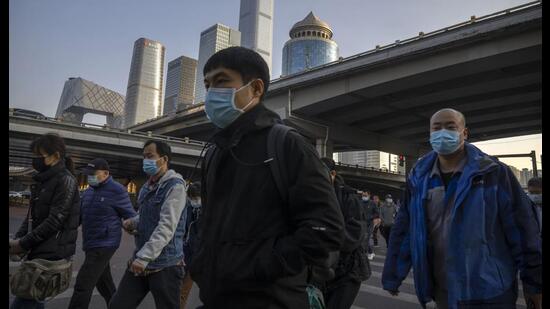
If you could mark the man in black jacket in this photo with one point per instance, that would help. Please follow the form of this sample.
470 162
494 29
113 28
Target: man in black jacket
255 249
352 267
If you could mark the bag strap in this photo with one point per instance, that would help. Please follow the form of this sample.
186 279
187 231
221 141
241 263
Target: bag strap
276 151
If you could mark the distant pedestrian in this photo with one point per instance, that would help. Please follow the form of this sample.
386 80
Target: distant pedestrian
387 215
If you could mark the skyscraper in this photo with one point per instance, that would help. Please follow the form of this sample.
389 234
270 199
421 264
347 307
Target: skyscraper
213 39
180 84
144 92
310 45
256 27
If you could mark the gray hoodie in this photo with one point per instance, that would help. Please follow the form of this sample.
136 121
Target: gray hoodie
387 212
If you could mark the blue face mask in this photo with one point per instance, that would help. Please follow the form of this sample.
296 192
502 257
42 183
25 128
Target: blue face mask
444 141
150 167
220 106
92 180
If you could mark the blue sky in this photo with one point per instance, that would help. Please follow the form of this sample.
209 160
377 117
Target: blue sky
53 40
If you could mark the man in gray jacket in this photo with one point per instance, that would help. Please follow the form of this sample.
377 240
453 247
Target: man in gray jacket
157 264
387 215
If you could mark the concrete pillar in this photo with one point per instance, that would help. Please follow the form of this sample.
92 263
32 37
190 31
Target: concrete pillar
324 149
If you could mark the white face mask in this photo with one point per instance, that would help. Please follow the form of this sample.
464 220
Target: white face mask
389 200
366 198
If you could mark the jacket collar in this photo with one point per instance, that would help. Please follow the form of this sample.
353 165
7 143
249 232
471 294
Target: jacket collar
476 162
50 172
104 183
259 117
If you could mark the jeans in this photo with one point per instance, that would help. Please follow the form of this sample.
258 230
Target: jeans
95 271
164 285
23 303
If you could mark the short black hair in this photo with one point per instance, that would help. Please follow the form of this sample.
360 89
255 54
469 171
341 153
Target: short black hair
163 149
243 60
535 182
329 163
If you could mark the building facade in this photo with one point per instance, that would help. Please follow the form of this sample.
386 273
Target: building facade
310 45
180 84
213 39
524 177
80 97
145 82
256 27
372 159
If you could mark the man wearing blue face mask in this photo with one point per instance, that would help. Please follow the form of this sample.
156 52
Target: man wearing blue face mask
103 205
261 241
157 264
465 227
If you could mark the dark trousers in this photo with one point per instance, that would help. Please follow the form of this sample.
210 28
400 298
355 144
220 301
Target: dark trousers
95 272
23 303
369 233
375 235
386 230
164 285
341 293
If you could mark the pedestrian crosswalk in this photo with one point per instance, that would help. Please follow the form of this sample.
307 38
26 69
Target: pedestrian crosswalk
370 296
373 296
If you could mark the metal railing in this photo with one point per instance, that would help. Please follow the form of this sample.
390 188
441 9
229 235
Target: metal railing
370 168
421 35
92 126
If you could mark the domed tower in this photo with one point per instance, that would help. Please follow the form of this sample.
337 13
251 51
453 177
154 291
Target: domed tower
310 45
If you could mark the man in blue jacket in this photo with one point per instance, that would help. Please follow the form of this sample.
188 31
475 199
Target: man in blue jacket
466 227
103 206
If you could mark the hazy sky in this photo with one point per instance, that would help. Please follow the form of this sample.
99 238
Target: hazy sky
50 41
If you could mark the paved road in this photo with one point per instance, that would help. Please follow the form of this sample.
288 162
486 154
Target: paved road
371 295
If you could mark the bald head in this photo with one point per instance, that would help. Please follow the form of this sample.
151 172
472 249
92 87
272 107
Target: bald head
449 113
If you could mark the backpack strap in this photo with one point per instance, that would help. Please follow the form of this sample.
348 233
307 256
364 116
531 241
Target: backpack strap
276 151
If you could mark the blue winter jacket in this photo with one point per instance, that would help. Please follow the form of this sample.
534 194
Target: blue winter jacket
493 234
102 208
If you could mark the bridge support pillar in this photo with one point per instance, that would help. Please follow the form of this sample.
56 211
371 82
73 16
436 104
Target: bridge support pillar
324 149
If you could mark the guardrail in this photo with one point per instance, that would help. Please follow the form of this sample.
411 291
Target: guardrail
357 166
147 134
421 35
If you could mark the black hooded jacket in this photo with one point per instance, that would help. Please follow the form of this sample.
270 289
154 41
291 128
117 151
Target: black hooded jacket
254 249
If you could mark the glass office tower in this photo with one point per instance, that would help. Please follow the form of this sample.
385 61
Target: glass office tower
256 27
145 83
180 84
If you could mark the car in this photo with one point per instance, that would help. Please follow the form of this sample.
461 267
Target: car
15 194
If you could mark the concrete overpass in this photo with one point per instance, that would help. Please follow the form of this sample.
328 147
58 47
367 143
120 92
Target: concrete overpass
488 67
123 150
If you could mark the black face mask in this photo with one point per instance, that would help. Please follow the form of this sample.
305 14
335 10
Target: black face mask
39 165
